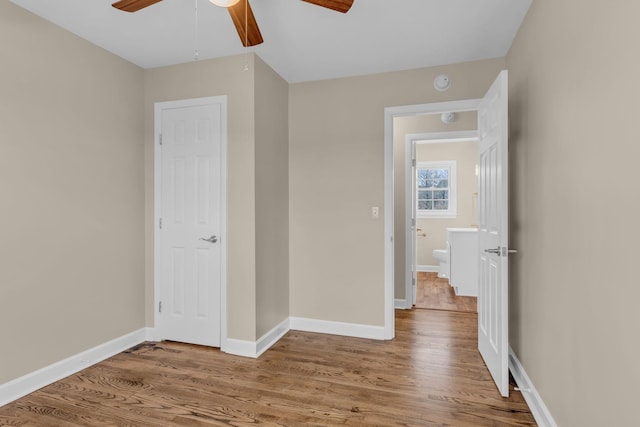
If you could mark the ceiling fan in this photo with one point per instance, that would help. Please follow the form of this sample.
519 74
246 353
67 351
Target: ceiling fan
241 14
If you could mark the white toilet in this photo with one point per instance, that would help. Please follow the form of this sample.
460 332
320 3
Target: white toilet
442 256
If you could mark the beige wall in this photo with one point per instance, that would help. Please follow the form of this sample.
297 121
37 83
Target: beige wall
336 175
71 195
466 156
233 77
272 198
575 202
470 80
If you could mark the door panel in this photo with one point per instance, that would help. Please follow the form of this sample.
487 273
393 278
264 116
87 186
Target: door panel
493 223
190 211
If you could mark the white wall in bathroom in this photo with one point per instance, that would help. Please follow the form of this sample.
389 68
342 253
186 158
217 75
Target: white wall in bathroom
465 154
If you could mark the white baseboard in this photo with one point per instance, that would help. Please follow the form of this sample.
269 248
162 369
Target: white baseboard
255 349
461 292
150 334
538 408
240 348
272 337
33 381
401 304
337 328
427 268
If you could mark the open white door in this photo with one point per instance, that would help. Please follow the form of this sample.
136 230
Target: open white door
493 237
189 223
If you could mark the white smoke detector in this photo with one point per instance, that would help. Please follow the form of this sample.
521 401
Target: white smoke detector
441 82
449 117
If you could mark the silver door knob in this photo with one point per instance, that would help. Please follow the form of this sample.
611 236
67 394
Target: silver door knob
212 239
501 251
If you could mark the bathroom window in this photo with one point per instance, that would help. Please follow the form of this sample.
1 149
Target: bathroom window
436 189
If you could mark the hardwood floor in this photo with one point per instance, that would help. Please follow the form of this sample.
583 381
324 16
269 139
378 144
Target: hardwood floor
436 294
431 374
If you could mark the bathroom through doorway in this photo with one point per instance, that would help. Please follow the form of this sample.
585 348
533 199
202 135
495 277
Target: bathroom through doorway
434 293
445 195
441 191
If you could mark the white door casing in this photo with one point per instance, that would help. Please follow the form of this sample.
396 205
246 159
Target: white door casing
493 237
190 208
390 113
412 226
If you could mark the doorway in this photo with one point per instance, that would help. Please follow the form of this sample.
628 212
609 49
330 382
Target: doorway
441 194
395 277
190 237
492 249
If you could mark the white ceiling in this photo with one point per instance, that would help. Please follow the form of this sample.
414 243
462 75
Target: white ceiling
303 42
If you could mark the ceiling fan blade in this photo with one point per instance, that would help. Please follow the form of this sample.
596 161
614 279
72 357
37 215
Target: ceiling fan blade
245 23
337 5
133 5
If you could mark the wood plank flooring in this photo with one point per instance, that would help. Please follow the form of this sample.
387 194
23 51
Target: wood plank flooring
431 374
436 294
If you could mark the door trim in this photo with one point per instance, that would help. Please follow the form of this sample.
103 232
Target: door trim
157 181
389 114
411 140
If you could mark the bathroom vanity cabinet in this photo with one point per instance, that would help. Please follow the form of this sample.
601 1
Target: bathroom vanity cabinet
463 260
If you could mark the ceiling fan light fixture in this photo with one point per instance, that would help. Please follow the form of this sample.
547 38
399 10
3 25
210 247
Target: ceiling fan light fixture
240 12
224 3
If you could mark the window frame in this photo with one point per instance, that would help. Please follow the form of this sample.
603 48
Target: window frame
452 212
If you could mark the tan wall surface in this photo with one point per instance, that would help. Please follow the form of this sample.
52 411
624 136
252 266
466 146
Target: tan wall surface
465 154
336 134
272 198
225 76
71 194
469 81
574 287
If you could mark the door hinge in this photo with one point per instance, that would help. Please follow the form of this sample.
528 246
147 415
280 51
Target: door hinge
160 307
413 162
160 139
160 223
413 222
